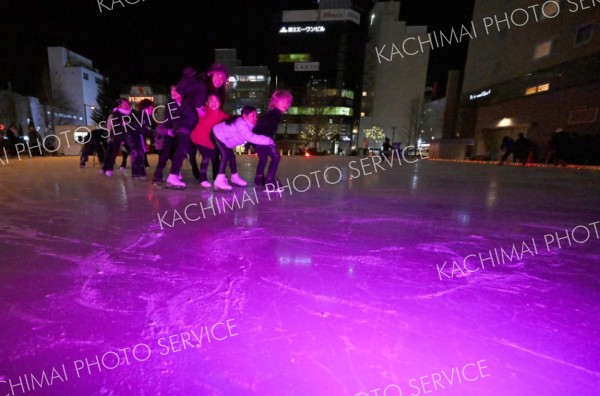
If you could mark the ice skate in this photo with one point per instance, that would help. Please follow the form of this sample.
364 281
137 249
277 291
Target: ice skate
221 184
259 182
238 181
205 184
180 176
108 173
173 183
157 183
273 186
122 169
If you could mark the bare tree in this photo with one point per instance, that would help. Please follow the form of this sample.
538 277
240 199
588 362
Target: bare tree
317 100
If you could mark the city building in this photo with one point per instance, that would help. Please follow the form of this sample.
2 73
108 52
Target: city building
74 82
247 85
532 77
320 59
138 92
432 120
394 86
23 111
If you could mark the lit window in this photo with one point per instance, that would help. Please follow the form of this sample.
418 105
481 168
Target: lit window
347 93
531 90
251 78
290 58
364 93
542 50
252 95
537 89
584 34
543 88
327 110
362 114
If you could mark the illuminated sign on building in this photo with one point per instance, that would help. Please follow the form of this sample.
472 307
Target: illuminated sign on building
138 99
302 29
482 94
306 66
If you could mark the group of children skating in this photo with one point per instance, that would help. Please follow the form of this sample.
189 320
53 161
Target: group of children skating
194 123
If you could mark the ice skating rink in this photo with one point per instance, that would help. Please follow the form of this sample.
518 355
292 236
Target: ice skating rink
428 278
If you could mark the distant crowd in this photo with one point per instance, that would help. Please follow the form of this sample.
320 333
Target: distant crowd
563 148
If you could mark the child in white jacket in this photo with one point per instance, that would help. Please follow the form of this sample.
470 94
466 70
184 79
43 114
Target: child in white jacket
229 135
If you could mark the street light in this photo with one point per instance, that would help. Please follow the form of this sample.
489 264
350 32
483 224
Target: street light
85 112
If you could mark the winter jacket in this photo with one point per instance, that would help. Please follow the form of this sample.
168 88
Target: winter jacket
268 123
195 92
238 133
171 114
142 127
201 134
117 126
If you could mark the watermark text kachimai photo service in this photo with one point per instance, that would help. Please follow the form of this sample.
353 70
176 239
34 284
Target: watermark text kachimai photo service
49 147
434 382
110 360
578 235
300 183
515 18
109 5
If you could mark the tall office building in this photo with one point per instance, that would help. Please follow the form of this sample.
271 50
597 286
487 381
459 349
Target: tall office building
394 85
320 59
247 85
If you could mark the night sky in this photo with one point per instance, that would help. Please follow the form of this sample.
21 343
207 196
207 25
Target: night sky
153 40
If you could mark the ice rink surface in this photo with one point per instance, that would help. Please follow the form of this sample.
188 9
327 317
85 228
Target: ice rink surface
333 291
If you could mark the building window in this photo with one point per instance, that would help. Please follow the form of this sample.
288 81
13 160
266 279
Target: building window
584 34
364 93
349 94
326 110
542 50
291 58
543 87
252 95
362 114
98 81
251 78
86 76
537 89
